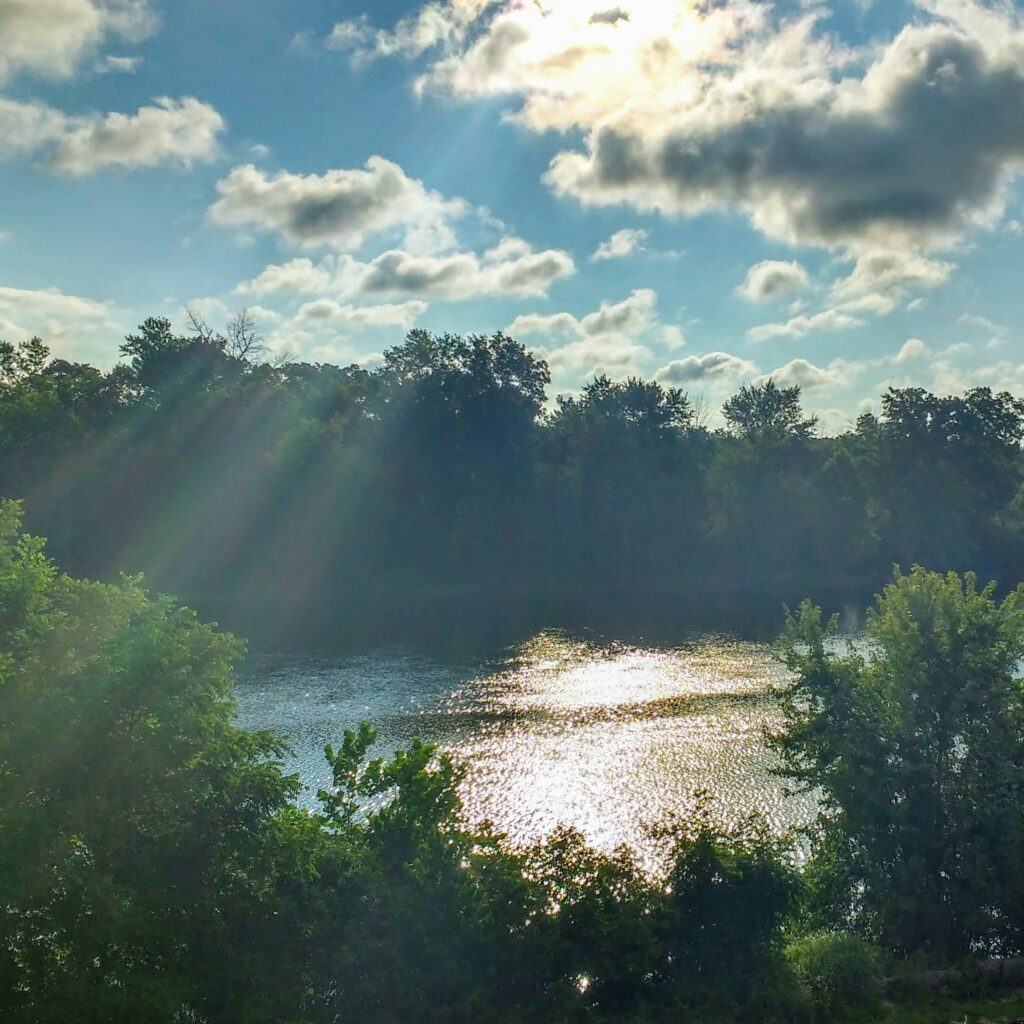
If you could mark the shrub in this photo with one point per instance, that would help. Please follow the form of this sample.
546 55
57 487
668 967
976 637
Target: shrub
838 974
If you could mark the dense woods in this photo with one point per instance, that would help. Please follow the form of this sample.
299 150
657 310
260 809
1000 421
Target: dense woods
292 496
154 863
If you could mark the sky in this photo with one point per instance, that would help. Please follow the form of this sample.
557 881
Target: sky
705 192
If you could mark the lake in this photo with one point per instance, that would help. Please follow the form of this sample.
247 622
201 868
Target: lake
607 737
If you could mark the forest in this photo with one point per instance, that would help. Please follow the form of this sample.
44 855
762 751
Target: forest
156 862
296 502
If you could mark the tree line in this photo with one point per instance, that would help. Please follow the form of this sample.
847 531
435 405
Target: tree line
156 869
291 494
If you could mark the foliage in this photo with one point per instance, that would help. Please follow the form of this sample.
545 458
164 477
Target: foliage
766 410
839 975
917 746
154 866
447 480
140 832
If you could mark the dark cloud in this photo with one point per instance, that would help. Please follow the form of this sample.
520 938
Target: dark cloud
913 153
610 17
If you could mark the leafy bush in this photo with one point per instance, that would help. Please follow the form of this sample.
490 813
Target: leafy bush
838 975
917 746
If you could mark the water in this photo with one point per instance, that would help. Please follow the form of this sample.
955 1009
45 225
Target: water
608 738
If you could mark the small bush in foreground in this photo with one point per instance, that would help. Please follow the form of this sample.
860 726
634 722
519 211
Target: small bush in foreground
838 974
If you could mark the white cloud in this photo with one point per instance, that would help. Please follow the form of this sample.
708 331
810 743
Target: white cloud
27 127
511 267
52 37
772 279
436 23
622 244
324 313
114 65
540 323
180 132
913 348
803 374
409 38
860 160
801 326
339 209
296 277
874 302
614 339
712 366
891 273
73 327
983 323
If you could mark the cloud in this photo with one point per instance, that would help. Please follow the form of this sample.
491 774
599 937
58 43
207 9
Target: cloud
891 273
712 366
801 326
849 162
118 65
913 348
73 327
539 323
325 313
338 209
296 277
622 244
633 315
688 107
327 330
27 127
180 132
52 37
983 323
409 38
613 339
434 24
772 279
803 374
511 267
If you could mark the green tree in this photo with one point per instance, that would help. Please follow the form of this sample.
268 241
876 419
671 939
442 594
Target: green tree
759 410
143 837
916 743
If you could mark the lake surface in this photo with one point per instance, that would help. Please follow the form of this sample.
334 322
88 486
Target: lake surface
606 737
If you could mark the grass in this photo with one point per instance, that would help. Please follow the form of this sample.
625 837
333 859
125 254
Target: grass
938 1009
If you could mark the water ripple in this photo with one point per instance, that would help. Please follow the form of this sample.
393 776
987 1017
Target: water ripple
610 739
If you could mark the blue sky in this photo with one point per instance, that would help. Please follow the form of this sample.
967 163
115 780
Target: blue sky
706 193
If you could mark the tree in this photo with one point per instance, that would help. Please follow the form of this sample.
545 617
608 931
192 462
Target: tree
940 470
916 743
623 463
766 410
145 841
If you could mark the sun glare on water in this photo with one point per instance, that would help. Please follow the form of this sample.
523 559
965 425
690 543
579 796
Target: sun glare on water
608 739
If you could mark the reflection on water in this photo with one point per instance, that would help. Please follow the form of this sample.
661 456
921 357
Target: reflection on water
609 739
